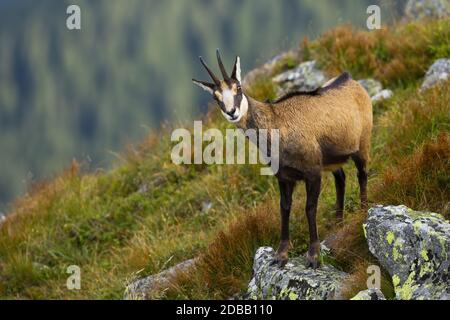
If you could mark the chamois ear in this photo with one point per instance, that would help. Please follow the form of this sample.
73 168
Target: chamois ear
237 69
209 87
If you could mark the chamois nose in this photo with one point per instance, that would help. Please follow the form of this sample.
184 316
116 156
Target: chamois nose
232 111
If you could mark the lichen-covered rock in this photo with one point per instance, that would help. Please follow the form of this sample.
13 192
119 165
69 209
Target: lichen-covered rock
372 86
419 9
305 77
382 95
295 281
270 67
438 72
143 288
369 294
375 90
414 247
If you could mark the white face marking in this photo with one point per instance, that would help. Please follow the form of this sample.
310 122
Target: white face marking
239 113
208 89
228 99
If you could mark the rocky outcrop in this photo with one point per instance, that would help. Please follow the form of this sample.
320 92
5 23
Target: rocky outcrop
419 9
143 288
438 72
308 77
375 90
269 68
305 77
414 247
369 294
294 281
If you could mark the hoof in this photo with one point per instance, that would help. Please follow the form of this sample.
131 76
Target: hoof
313 256
280 259
313 262
314 265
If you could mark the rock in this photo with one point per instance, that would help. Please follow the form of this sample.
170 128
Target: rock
142 288
143 188
295 281
40 267
372 86
375 90
269 68
382 95
305 77
414 247
419 9
369 294
438 72
206 206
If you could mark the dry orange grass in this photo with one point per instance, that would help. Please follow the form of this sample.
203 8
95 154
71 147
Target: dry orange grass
411 118
348 242
357 281
395 55
220 270
422 180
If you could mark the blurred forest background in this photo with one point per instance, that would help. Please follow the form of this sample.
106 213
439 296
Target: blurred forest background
83 94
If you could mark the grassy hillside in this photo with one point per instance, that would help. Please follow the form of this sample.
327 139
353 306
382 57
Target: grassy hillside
148 214
66 94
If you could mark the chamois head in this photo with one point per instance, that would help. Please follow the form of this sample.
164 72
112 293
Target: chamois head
227 92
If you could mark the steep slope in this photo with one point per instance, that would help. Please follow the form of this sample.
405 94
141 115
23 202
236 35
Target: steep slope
66 94
148 214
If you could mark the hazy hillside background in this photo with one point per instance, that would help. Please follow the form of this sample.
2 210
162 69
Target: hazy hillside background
66 94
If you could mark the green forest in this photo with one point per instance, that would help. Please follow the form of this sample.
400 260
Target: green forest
85 94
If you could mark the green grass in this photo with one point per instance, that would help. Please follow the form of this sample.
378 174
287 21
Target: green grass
148 214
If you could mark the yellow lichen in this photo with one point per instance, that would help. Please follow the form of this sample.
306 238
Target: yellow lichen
406 291
424 255
395 280
396 254
390 237
293 296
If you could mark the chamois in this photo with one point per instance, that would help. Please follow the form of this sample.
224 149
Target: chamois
319 131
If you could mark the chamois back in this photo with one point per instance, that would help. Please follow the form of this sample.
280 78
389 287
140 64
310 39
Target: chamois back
330 123
330 85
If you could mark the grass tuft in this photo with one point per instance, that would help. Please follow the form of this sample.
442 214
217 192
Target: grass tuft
421 180
397 55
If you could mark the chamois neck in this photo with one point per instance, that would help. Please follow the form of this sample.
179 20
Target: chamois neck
259 115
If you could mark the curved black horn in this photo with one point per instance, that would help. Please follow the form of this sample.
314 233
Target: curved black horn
234 73
221 66
211 74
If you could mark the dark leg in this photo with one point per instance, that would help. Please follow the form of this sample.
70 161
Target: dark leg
339 181
312 194
286 190
361 165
